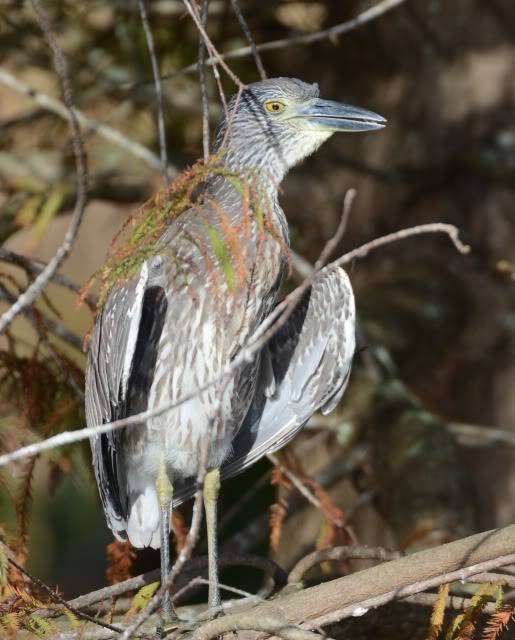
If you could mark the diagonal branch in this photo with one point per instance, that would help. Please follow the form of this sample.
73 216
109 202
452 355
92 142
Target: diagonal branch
354 594
250 39
52 594
33 266
40 282
56 107
215 56
331 33
265 332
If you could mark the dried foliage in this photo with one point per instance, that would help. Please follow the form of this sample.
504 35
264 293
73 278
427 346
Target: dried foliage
279 510
438 613
36 400
498 623
464 626
20 610
139 238
180 529
120 558
336 530
473 623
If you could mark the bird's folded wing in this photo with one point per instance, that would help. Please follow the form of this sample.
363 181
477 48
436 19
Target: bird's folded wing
304 368
110 358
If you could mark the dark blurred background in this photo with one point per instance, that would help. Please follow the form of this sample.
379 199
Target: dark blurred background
413 455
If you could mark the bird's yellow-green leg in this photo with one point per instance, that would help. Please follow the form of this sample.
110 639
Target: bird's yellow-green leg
211 491
164 488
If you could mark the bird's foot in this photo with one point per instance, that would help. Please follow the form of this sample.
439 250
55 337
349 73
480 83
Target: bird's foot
169 623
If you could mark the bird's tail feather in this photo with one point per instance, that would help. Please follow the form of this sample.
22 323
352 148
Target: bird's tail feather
143 521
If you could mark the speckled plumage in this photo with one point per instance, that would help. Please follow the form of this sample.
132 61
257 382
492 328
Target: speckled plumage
215 276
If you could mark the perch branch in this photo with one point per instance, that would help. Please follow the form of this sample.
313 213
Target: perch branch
397 579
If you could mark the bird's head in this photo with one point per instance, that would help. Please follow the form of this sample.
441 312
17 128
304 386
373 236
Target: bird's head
274 124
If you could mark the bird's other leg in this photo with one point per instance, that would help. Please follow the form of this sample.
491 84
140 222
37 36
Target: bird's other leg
211 491
164 488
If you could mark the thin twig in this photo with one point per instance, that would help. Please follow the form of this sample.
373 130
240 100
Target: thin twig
250 39
88 124
452 602
332 33
491 576
195 582
55 596
33 266
483 435
206 42
273 573
259 338
53 326
159 91
432 227
299 485
42 279
354 552
203 83
213 52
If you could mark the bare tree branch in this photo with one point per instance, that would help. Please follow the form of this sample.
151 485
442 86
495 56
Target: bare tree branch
88 124
53 595
432 227
159 91
33 266
203 82
451 602
332 33
473 434
354 552
38 320
264 333
273 574
61 67
215 56
250 39
397 579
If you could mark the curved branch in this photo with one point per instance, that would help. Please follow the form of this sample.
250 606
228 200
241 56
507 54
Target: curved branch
339 553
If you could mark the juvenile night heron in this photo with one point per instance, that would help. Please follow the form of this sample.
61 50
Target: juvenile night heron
212 279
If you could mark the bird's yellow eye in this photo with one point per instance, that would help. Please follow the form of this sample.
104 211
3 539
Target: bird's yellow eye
274 106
